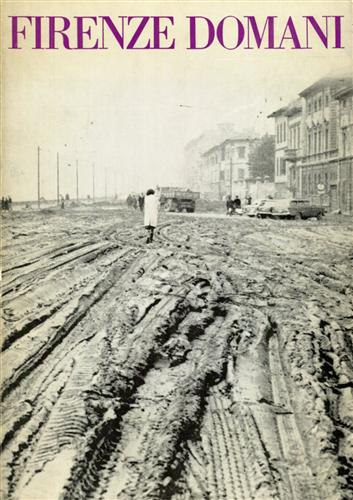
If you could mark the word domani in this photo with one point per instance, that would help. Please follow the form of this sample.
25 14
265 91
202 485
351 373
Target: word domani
155 32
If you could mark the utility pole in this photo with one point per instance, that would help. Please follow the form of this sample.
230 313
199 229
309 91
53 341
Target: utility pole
93 187
38 176
76 180
57 179
105 185
231 178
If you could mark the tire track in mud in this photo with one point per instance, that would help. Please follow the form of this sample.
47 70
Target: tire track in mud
85 480
313 356
35 257
202 241
138 269
35 410
20 322
83 485
67 422
249 446
76 312
49 379
299 472
186 378
40 272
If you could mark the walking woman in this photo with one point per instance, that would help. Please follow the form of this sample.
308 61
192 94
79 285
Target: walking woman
151 213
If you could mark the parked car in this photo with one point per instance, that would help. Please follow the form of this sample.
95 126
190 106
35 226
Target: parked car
290 209
251 210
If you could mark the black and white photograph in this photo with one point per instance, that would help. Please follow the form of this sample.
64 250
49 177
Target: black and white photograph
177 247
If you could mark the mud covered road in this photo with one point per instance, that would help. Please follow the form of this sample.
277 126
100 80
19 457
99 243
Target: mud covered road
216 363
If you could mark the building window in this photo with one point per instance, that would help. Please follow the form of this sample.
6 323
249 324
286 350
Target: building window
241 152
221 175
319 134
326 138
284 131
298 136
309 106
344 142
240 173
282 167
309 142
319 102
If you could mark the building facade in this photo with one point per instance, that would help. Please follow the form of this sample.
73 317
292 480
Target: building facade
345 149
288 147
314 145
193 175
225 169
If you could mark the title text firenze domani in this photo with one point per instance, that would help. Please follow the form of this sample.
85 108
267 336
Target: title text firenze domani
158 32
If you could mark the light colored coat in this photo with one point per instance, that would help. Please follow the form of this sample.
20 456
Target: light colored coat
151 210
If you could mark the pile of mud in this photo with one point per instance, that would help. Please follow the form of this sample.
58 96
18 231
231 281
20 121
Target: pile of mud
215 363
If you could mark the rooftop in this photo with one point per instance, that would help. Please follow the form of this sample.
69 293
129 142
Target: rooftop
291 109
343 92
336 82
232 140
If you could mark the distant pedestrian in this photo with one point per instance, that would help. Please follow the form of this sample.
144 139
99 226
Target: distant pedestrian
249 199
229 205
141 201
10 202
237 202
3 203
134 201
6 203
151 214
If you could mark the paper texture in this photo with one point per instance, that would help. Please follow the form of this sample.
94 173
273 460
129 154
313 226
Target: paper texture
209 357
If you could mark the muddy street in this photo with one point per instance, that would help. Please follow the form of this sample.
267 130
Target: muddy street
215 363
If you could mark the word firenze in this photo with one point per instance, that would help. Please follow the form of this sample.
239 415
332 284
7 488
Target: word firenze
156 32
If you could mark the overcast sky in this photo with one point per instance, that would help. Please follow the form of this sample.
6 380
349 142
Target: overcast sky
121 109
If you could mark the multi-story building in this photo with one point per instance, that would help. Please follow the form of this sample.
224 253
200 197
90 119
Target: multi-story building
288 140
313 144
193 177
225 168
319 162
345 149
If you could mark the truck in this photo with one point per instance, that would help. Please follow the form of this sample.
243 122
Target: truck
176 199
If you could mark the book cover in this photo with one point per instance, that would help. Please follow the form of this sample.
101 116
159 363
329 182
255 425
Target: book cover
177 201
